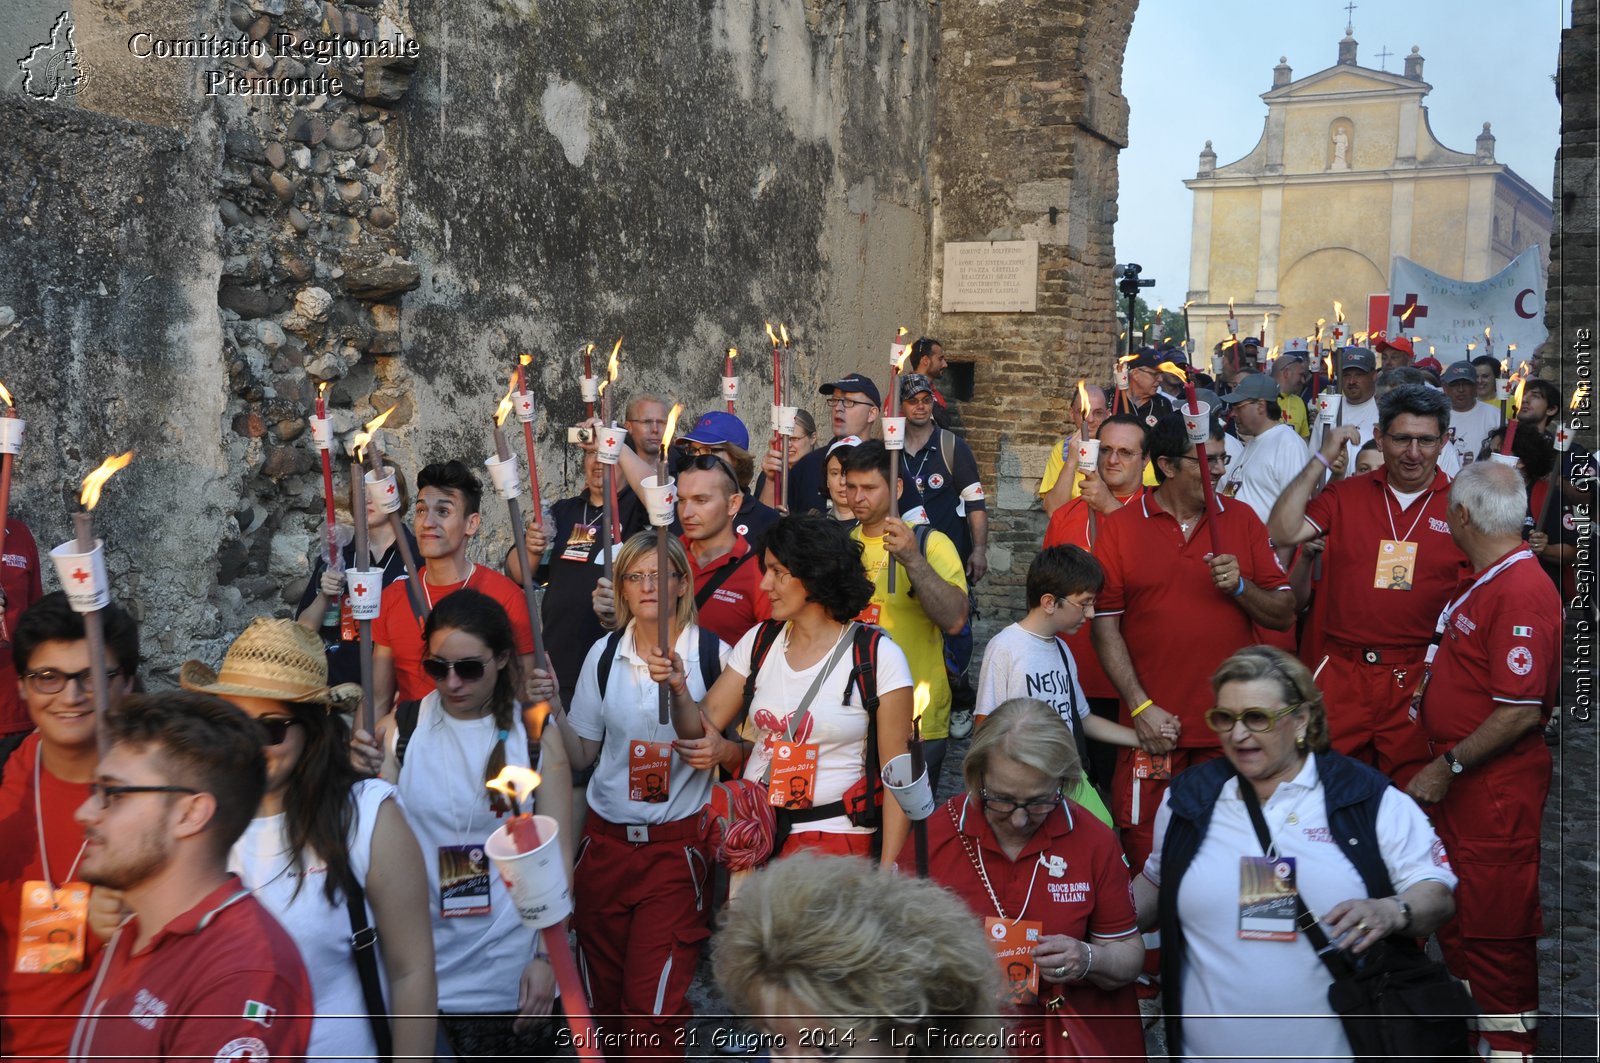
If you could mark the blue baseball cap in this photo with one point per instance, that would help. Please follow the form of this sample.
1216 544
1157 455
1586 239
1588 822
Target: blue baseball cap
718 427
855 383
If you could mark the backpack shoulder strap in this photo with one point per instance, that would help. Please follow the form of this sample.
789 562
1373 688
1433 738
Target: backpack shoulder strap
922 532
405 722
607 655
947 450
710 659
767 633
864 668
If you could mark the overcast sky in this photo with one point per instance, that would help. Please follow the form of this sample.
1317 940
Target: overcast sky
1196 69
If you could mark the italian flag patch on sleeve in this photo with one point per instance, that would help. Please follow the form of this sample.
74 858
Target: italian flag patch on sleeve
1521 632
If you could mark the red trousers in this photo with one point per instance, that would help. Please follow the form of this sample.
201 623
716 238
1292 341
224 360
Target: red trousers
642 917
827 844
1369 707
1134 801
1490 824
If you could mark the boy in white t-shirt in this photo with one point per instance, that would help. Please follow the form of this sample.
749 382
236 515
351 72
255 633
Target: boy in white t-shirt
1028 660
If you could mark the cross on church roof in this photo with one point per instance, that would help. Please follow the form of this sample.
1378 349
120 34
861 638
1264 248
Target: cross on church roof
1350 18
1383 58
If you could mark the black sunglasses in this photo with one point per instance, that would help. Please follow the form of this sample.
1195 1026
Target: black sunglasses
470 669
275 728
707 462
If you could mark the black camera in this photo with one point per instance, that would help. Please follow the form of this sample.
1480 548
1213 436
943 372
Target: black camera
1128 282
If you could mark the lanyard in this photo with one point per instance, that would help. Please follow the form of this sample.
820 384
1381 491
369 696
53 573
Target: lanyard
976 856
1388 511
472 570
38 819
1450 610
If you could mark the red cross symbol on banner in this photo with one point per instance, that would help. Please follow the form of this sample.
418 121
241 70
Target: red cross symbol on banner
1410 310
80 575
360 589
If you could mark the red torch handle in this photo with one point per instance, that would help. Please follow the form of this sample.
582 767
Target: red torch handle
1212 507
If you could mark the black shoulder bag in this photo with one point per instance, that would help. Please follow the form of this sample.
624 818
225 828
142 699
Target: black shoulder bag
1392 1000
363 943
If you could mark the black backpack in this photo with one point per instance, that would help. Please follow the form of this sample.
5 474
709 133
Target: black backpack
710 657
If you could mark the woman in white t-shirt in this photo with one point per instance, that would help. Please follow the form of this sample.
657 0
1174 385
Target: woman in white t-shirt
642 876
320 827
810 752
496 983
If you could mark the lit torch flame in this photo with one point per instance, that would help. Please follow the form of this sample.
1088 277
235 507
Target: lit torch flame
90 496
364 437
1486 331
733 352
1128 358
525 359
4 394
1174 369
773 336
783 330
920 700
1338 312
517 783
611 365
322 389
672 428
504 409
1405 315
1230 306
1083 400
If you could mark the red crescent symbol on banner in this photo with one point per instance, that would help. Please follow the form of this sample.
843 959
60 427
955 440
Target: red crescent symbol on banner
1518 303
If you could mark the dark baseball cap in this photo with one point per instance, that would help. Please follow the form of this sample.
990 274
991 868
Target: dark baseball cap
1147 358
718 427
1460 373
1251 387
1357 358
858 383
914 384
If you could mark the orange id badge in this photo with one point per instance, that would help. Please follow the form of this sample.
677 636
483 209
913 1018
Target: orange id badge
1266 898
1397 560
50 935
870 614
1013 945
1151 765
649 771
794 774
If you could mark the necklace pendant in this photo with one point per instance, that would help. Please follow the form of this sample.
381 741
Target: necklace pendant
1293 819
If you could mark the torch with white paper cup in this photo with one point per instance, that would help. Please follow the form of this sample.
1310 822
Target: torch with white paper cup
914 795
365 586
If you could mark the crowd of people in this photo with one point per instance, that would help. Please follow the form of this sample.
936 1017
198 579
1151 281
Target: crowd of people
1321 650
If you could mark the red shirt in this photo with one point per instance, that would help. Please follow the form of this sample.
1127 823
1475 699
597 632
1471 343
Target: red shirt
1070 526
1176 623
1501 646
1358 514
19 580
398 628
1072 878
221 981
738 603
58 995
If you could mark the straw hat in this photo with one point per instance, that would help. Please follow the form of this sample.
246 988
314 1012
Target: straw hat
275 659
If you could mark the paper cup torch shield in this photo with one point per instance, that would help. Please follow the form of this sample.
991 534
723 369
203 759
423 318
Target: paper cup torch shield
83 576
536 880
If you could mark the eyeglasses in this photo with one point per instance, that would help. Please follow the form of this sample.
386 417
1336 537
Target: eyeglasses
105 795
467 669
645 579
836 402
1425 442
50 681
1077 603
1005 806
275 728
1211 458
707 462
921 398
1221 720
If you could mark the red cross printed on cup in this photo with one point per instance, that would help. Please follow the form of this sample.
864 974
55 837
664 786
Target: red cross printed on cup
360 589
611 441
892 429
391 488
80 575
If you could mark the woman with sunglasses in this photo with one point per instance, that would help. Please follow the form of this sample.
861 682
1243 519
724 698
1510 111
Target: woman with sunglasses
323 837
496 984
642 876
1241 975
1024 858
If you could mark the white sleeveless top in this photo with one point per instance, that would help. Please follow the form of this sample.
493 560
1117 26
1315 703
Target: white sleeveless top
478 958
261 859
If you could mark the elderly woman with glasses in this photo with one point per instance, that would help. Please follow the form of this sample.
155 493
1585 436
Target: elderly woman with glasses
1048 882
1240 976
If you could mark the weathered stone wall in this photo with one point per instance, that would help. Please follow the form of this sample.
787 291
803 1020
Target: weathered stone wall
1570 303
1031 118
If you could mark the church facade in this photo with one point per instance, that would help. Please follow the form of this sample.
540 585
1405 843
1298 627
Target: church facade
1347 175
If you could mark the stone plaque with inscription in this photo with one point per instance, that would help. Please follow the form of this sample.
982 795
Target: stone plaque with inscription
995 277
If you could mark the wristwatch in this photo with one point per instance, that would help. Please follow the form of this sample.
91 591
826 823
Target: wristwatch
1405 912
1456 767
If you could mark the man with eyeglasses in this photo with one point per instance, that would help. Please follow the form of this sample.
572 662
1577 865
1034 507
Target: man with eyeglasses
20 587
1275 453
1171 611
201 970
1062 481
645 418
1117 480
1374 638
939 474
1144 398
854 406
40 842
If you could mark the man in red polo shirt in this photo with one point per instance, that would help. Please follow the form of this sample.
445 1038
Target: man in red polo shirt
1374 627
1117 479
448 495
201 970
1494 676
1171 611
20 587
727 577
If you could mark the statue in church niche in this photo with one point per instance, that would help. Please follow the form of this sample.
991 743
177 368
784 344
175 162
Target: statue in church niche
1340 148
